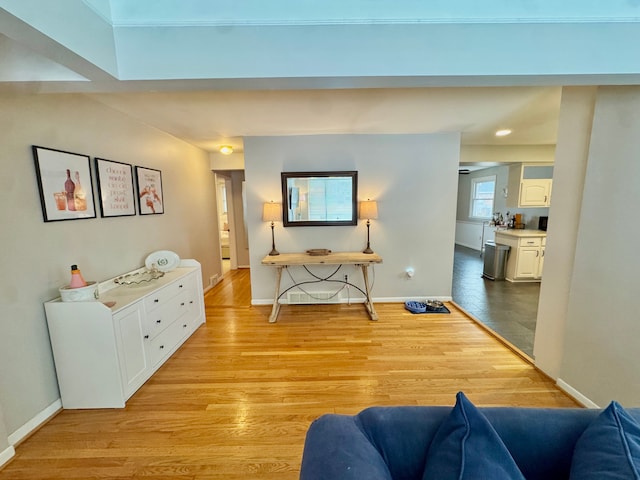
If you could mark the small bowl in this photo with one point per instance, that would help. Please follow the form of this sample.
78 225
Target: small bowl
434 305
82 294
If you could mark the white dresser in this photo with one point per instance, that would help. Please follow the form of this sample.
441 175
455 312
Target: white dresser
104 354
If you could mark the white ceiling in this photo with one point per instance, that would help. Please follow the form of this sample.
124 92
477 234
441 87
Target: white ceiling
211 118
212 112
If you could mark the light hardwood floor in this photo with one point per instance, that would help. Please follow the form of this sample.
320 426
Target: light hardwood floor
236 400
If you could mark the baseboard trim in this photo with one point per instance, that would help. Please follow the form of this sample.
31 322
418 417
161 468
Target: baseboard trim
575 394
6 455
262 301
35 423
472 247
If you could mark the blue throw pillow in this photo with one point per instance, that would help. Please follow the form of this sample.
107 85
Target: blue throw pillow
609 448
466 446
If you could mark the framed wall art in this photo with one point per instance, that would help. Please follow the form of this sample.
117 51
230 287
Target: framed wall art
115 188
150 198
65 184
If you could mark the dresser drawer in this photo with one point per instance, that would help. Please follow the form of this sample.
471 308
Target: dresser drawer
161 317
530 242
165 343
165 294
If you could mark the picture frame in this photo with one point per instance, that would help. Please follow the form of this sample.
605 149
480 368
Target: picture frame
150 194
65 184
115 188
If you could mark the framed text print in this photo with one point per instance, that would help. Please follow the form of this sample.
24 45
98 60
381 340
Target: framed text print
115 188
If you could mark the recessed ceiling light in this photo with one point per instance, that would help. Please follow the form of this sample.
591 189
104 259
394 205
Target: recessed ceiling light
503 133
226 149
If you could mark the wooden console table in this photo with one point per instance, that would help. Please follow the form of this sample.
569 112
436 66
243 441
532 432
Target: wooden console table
285 260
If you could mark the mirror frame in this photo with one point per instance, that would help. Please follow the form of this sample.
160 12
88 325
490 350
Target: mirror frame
353 175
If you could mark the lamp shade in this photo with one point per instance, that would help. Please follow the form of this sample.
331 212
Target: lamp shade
368 210
271 212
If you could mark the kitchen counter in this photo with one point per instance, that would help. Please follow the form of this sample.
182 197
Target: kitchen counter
517 233
526 255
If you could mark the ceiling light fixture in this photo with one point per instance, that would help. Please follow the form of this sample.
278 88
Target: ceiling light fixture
503 133
226 149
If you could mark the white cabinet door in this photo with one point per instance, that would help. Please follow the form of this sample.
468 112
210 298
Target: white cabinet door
535 193
540 263
132 339
528 259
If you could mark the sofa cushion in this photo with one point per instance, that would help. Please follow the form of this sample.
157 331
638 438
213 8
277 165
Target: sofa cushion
466 446
609 448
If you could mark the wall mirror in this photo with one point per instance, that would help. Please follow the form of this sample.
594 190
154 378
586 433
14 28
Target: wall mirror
319 198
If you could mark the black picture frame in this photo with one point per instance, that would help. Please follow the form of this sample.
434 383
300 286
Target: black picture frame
115 188
61 197
150 193
336 192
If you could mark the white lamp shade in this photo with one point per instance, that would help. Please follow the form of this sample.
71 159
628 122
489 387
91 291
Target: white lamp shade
271 212
368 210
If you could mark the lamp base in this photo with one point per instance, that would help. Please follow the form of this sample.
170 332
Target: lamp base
367 250
276 252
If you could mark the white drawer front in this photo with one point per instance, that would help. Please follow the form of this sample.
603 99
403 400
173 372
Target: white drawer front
161 318
530 242
164 295
164 344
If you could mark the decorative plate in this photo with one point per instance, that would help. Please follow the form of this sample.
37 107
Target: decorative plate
163 260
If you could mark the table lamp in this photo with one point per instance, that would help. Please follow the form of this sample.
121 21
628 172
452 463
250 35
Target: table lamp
369 211
272 212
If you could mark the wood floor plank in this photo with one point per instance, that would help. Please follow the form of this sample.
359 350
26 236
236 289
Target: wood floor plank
236 400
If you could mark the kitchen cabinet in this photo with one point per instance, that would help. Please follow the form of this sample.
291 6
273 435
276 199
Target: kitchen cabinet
530 185
104 354
535 193
526 255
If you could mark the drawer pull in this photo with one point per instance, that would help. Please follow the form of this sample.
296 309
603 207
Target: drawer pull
182 304
158 321
184 326
180 286
146 336
155 300
161 347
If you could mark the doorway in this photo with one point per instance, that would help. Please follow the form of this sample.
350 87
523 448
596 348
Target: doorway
224 197
509 309
232 231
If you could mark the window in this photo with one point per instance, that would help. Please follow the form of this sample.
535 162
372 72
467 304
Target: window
482 193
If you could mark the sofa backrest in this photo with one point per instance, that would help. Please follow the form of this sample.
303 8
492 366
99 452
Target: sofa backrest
391 443
541 441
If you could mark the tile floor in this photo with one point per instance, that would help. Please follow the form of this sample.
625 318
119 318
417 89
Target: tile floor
508 308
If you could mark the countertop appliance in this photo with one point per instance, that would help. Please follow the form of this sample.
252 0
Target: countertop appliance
542 223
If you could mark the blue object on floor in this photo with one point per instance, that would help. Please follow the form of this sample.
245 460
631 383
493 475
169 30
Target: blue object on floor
415 307
421 307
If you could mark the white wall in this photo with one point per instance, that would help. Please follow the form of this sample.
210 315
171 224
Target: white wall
507 154
601 354
37 255
413 178
6 451
574 134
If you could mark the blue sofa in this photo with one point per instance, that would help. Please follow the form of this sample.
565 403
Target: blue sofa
391 443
